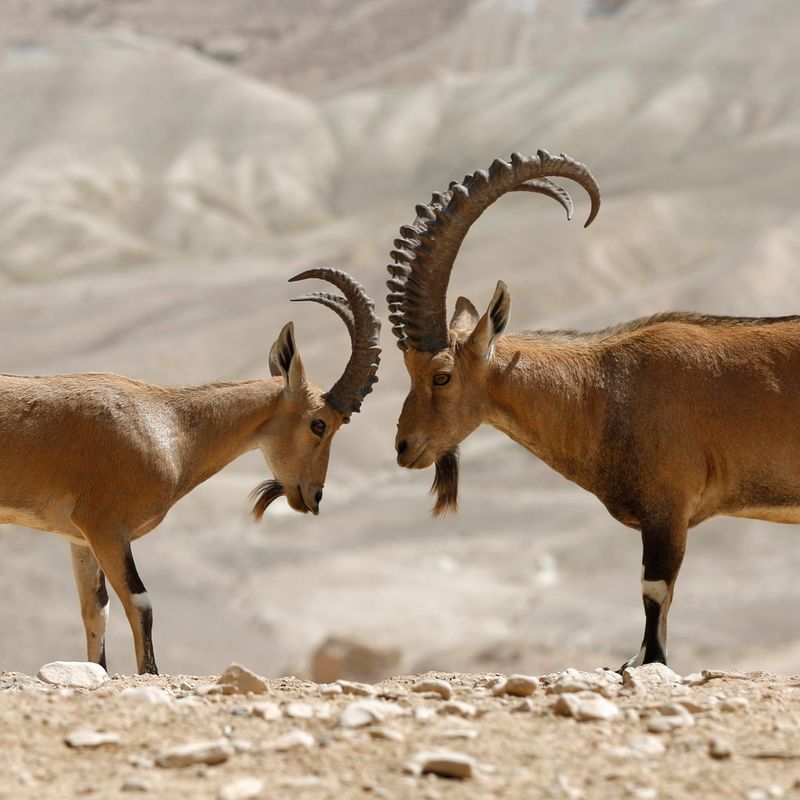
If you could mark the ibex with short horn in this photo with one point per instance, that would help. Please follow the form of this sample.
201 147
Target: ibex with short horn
100 459
668 420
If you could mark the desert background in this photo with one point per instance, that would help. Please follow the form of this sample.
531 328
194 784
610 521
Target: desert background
165 167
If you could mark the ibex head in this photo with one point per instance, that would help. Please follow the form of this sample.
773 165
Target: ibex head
297 439
449 365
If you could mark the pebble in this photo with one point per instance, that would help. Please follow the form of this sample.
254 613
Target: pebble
74 674
148 694
459 733
266 710
291 741
299 711
387 733
585 707
445 763
663 724
424 713
435 685
240 680
650 675
720 748
712 674
359 689
136 785
87 738
516 686
458 708
365 712
208 752
241 789
329 689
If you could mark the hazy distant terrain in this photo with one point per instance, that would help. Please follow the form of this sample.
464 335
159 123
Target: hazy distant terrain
154 200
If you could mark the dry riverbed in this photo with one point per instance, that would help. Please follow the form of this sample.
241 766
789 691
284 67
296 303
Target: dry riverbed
648 735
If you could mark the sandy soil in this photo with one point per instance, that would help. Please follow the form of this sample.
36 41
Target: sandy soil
740 739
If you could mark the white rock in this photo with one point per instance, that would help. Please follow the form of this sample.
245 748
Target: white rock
731 674
446 763
424 713
650 674
240 680
207 752
459 708
87 738
386 733
136 785
148 694
459 733
719 748
291 741
359 689
585 707
666 724
266 710
435 685
299 711
365 712
329 689
74 674
517 686
241 789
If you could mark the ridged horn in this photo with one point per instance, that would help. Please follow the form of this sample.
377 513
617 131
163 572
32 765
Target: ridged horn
357 310
441 227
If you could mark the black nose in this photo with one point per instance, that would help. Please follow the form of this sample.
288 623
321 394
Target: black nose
402 446
318 496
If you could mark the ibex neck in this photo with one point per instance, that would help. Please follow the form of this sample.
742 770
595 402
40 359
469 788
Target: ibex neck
218 423
544 394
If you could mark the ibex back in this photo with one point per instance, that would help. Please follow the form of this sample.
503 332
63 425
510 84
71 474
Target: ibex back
668 420
100 459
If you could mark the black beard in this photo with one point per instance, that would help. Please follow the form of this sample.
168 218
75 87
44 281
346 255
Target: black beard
445 484
264 494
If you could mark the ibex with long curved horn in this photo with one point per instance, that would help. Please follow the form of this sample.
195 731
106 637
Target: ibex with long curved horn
100 459
668 420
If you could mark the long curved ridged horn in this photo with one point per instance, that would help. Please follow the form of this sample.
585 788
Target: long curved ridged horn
357 311
425 252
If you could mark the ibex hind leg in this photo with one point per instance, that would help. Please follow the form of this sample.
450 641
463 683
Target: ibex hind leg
663 547
93 597
116 560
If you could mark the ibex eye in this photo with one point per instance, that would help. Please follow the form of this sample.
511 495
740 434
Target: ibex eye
441 378
318 427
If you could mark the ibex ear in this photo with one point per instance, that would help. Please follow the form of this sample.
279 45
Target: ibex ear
465 317
492 323
284 360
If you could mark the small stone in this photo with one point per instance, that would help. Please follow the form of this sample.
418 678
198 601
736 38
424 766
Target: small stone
459 708
651 674
73 674
136 785
720 748
517 686
445 763
208 752
266 710
585 707
424 713
458 733
734 704
434 685
695 679
358 689
299 711
208 689
387 733
87 738
732 674
329 689
140 761
240 680
365 712
148 694
526 705
662 724
241 789
291 741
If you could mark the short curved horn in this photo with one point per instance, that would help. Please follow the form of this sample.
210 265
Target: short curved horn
357 311
425 252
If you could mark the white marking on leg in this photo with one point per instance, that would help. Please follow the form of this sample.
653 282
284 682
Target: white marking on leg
655 590
141 601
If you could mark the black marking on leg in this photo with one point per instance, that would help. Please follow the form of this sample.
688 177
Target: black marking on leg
101 595
653 651
132 579
146 621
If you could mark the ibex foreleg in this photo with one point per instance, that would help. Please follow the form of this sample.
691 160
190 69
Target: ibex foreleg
663 547
116 560
94 601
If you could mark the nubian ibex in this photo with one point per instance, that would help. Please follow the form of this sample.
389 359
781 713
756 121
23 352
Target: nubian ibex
100 459
668 420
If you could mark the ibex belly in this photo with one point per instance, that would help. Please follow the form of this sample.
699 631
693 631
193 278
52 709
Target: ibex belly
51 517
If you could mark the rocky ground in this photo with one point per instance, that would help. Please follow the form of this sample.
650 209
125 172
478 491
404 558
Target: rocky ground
647 734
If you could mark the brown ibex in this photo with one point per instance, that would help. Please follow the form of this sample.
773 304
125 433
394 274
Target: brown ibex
100 459
668 420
